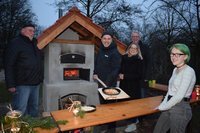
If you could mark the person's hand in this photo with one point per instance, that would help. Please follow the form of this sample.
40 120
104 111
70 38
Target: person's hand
156 108
12 89
95 76
121 76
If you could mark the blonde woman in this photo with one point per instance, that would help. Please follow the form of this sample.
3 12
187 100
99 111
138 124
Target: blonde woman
131 74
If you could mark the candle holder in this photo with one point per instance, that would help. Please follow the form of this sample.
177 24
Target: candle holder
15 123
197 90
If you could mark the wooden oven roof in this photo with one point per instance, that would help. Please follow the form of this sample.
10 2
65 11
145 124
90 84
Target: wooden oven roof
82 25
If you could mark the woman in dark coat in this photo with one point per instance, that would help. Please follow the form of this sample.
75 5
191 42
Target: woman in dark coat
131 73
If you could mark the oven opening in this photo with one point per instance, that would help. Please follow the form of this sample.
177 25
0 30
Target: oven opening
71 74
76 74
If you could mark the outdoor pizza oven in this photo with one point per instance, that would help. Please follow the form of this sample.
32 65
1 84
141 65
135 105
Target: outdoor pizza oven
68 68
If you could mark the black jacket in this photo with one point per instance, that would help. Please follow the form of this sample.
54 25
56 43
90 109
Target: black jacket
107 64
146 59
145 51
132 68
23 64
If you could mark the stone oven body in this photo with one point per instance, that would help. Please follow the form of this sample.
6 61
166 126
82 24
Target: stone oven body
55 84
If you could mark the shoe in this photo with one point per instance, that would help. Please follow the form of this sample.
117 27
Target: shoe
130 128
137 121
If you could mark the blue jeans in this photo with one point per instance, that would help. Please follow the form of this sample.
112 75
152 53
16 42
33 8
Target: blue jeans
26 100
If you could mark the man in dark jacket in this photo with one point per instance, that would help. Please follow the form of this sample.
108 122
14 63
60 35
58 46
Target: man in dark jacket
107 62
107 66
136 39
23 71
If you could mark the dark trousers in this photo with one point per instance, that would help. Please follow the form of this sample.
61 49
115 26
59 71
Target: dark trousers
175 119
110 127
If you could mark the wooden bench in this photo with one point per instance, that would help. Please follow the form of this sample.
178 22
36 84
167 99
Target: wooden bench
40 130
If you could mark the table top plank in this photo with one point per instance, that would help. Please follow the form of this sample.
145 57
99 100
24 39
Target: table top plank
160 87
164 88
106 113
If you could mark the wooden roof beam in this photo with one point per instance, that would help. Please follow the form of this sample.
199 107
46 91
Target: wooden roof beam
79 30
65 41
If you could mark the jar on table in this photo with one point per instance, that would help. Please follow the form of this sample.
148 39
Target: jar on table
14 117
197 90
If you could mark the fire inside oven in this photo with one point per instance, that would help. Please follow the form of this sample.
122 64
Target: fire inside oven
71 74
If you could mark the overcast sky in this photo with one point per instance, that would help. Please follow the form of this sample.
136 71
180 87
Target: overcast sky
47 14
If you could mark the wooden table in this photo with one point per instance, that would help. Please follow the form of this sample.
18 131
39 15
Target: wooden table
162 87
106 113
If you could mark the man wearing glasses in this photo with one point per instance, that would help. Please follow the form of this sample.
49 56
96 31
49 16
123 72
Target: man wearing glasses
144 50
136 39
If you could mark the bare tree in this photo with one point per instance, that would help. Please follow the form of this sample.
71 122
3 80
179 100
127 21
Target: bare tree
13 14
113 15
88 7
188 12
177 21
